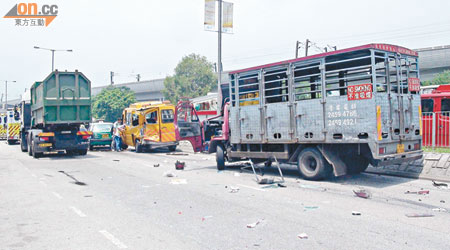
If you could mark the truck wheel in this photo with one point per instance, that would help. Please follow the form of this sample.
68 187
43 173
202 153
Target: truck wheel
138 146
91 147
23 146
312 165
172 148
82 151
30 149
35 154
220 157
355 163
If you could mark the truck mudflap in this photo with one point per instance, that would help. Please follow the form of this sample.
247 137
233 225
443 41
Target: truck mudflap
329 152
398 158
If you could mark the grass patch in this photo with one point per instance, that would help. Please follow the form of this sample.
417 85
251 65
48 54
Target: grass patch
436 150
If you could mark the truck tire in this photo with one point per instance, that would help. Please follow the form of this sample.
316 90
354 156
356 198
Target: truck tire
91 148
355 163
312 165
30 149
138 146
220 157
34 153
172 148
23 146
82 151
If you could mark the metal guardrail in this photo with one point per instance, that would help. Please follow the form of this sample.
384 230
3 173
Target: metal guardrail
436 129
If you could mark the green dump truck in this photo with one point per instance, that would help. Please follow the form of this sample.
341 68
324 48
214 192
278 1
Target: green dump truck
60 108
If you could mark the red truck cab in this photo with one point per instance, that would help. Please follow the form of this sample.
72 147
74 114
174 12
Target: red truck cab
436 117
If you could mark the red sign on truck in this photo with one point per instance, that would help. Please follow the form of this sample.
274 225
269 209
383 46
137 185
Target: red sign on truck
414 84
359 92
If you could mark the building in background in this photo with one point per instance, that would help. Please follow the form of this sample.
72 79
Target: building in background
433 60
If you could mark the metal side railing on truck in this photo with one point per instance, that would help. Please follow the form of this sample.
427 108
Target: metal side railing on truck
335 112
60 107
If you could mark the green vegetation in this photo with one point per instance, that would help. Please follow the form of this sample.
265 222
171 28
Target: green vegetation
436 150
193 77
440 79
109 104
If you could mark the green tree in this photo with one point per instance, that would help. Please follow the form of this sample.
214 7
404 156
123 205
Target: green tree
440 79
193 77
109 104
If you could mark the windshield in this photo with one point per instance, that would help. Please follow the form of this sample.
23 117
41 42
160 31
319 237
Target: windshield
102 128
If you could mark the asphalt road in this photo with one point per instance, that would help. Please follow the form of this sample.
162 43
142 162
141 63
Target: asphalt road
118 200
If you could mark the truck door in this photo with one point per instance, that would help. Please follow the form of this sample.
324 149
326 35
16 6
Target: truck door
152 128
396 102
188 124
167 125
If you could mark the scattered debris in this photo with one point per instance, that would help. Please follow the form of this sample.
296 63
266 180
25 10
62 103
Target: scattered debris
179 165
439 209
180 212
442 201
88 196
206 217
116 160
422 192
233 189
156 165
302 236
356 213
270 186
306 208
178 181
177 153
281 185
416 215
439 184
265 181
237 174
169 174
253 225
362 193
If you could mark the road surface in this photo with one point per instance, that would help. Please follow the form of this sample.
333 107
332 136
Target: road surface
120 200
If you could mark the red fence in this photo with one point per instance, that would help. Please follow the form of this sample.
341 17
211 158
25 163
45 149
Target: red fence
436 129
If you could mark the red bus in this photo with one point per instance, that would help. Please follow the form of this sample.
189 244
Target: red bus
436 117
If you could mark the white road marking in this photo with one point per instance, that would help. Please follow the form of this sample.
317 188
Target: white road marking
57 195
78 211
259 189
113 239
43 183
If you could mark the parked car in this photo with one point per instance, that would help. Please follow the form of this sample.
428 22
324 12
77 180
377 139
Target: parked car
102 134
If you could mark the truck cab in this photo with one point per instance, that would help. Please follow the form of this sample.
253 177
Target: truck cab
149 125
12 126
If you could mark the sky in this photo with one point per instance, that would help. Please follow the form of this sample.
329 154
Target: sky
149 37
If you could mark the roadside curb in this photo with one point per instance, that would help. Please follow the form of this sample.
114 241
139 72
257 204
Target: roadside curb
433 166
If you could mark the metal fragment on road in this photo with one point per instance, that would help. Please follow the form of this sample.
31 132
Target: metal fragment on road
302 236
177 153
356 213
156 165
422 192
265 181
417 215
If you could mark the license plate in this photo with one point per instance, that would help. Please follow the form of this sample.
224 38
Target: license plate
400 148
105 136
45 145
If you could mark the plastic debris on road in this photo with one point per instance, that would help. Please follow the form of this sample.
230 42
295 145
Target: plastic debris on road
439 184
179 165
307 208
281 185
439 209
362 193
442 201
116 160
417 215
156 165
234 189
178 181
270 186
253 225
356 213
169 174
302 236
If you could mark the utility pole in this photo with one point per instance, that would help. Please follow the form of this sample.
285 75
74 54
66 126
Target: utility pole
307 46
112 77
219 56
296 49
6 93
